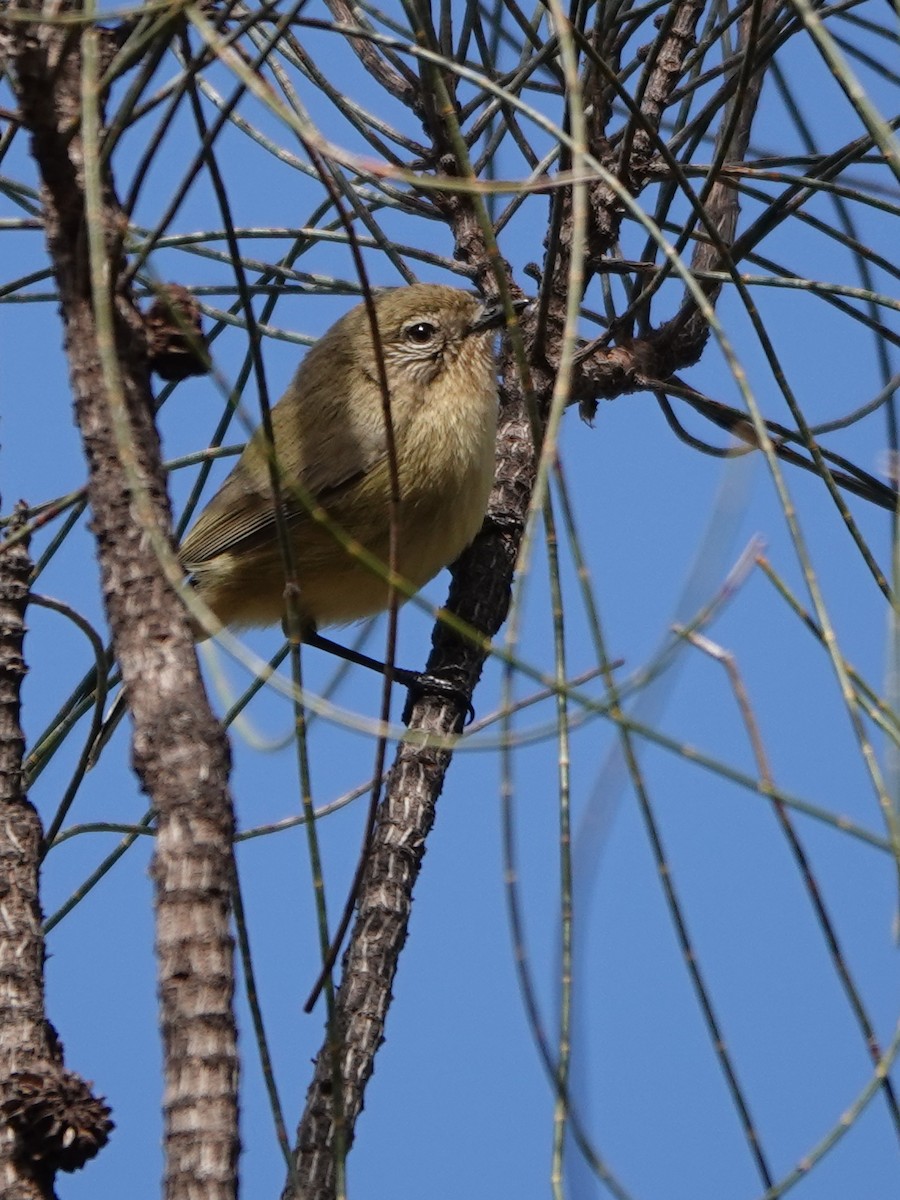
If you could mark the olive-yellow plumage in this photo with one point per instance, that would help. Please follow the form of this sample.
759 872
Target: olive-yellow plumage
330 439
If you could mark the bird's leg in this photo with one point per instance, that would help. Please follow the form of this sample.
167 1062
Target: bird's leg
311 638
416 681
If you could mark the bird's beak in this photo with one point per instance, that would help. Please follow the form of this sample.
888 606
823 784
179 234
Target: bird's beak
492 316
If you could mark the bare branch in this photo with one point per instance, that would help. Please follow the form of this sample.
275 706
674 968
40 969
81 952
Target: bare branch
179 750
480 596
52 1122
679 342
403 84
721 203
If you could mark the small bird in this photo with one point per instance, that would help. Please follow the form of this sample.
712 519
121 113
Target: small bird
330 447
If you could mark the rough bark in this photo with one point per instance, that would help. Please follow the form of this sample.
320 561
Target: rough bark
50 1120
180 752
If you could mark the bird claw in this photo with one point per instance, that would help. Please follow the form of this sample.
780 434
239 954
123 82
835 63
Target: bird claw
424 683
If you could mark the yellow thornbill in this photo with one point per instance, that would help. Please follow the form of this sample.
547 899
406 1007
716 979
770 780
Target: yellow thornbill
330 446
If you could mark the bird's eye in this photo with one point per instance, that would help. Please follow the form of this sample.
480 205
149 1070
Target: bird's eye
420 333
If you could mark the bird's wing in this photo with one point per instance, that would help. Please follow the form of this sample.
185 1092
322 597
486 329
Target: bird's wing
241 516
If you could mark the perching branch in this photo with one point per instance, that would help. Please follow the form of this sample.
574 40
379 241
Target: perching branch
480 596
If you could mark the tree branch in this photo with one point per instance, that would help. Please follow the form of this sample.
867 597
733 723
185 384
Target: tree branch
606 372
480 596
180 752
52 1122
